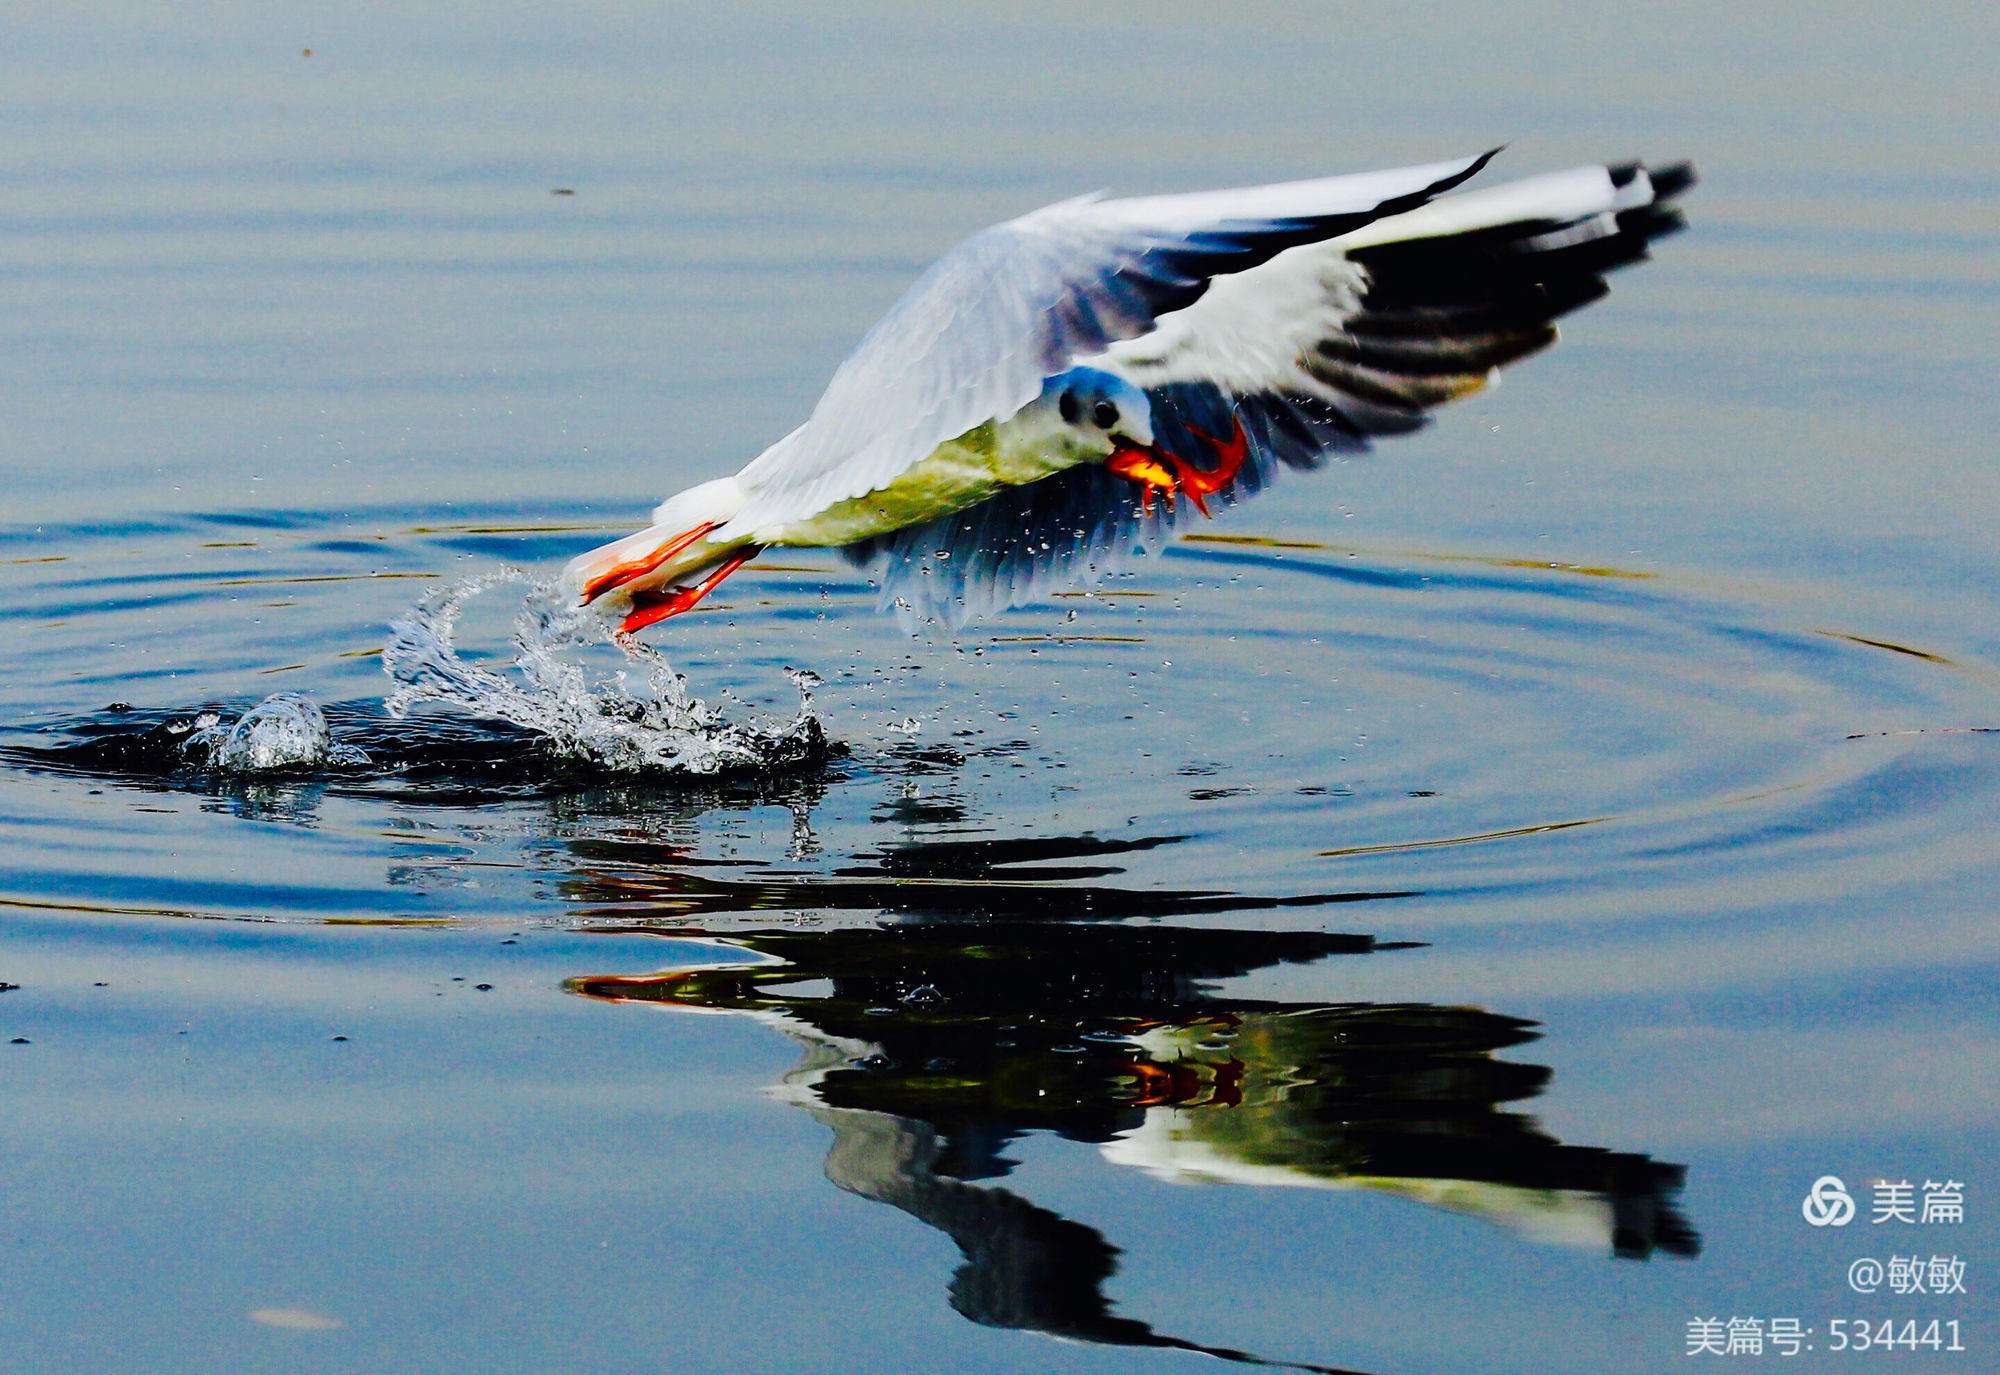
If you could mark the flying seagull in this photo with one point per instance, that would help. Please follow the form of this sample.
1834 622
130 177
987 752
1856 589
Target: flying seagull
1060 391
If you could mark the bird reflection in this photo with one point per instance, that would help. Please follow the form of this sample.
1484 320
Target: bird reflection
1042 881
934 1037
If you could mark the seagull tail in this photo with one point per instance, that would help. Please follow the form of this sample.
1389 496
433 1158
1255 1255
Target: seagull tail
677 544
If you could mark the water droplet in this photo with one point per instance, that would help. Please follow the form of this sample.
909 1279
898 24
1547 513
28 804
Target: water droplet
640 719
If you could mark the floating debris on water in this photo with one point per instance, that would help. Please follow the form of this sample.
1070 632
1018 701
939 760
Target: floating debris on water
296 1319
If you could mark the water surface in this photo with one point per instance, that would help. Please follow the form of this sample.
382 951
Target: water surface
1441 917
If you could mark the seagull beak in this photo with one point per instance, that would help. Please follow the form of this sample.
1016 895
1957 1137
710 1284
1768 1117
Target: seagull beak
1148 464
1158 469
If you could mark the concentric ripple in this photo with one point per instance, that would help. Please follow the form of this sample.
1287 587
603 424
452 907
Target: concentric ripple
1300 719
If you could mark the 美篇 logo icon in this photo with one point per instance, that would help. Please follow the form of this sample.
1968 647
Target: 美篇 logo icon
1827 1203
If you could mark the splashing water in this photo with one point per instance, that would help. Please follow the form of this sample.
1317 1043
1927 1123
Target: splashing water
286 732
642 720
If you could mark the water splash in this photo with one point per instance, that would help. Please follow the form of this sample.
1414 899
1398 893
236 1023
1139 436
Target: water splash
642 719
285 733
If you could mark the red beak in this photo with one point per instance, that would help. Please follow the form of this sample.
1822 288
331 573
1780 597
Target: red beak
1158 469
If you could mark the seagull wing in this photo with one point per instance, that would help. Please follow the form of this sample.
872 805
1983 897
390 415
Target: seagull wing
976 336
1313 353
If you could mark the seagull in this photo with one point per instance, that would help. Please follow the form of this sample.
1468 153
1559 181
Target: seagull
1060 392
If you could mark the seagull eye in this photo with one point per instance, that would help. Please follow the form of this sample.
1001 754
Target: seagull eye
1069 408
1105 414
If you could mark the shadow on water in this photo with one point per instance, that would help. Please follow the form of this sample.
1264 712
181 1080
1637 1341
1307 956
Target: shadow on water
983 1007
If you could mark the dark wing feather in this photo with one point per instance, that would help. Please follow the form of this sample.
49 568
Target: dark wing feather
976 334
1429 320
1081 525
1438 315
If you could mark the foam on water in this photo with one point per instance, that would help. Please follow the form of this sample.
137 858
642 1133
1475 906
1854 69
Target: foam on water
286 732
641 719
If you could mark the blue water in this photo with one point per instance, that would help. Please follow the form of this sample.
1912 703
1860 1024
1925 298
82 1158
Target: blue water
1440 917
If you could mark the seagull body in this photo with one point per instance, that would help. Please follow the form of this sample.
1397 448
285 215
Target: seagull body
1055 395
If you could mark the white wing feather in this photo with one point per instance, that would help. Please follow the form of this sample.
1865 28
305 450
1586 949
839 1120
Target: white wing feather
1321 350
976 336
1257 331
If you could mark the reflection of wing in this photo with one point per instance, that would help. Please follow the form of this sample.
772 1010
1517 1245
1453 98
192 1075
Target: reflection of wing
1403 1100
975 337
1571 1196
1025 1267
930 1045
1314 353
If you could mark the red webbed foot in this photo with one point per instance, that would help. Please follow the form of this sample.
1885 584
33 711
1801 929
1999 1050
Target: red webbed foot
629 570
658 604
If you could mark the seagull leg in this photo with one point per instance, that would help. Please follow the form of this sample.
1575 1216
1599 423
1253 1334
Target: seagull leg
620 574
651 606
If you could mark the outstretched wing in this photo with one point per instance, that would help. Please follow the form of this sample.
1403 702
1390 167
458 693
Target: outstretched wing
1314 353
975 337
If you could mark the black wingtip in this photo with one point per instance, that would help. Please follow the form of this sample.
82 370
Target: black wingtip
1669 181
1479 163
1457 179
1478 166
1396 205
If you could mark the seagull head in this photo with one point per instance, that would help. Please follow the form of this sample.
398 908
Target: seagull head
1103 412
